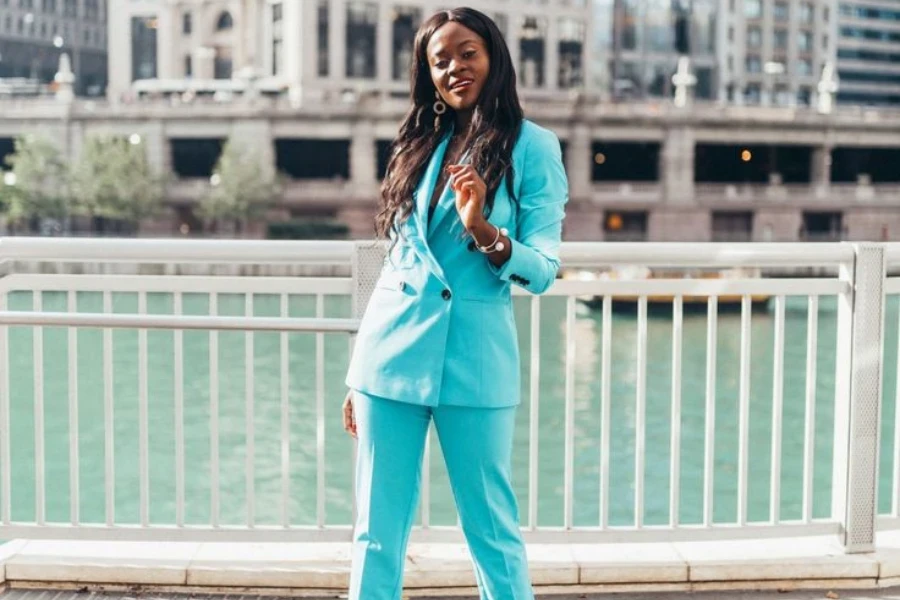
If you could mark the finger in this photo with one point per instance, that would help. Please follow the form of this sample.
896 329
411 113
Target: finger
459 179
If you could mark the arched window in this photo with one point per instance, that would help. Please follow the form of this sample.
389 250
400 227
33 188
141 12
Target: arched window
225 21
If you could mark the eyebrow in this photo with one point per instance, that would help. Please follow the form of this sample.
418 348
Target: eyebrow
442 50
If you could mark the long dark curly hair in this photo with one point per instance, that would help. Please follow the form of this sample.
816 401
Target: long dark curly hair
493 130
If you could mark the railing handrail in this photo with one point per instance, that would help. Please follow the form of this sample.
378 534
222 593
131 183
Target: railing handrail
164 250
145 321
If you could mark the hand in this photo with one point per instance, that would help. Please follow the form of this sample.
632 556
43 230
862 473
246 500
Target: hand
349 418
470 192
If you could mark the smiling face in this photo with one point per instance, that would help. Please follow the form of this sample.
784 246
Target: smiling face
459 65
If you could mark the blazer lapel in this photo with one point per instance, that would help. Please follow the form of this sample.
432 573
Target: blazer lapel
429 180
447 201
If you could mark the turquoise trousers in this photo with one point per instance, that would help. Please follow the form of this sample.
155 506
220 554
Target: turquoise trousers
477 446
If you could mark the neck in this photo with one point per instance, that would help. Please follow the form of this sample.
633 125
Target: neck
463 118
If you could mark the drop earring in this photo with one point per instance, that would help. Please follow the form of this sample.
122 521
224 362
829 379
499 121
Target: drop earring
439 107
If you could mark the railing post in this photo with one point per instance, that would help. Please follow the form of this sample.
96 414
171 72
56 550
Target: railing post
857 410
368 258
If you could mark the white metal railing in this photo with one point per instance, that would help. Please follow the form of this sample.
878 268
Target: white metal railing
856 285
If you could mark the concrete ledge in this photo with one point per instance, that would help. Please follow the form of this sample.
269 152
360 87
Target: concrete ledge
300 569
812 558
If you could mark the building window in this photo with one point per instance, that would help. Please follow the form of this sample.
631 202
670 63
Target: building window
91 9
531 50
804 67
625 226
70 8
754 64
406 22
822 226
143 48
752 9
627 17
306 158
277 54
805 41
222 65
362 24
277 13
225 21
780 39
754 37
752 93
804 96
322 38
807 13
571 50
732 226
188 66
48 6
187 24
780 11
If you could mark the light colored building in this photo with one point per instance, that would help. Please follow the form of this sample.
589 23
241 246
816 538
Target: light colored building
315 48
637 44
33 34
775 50
869 52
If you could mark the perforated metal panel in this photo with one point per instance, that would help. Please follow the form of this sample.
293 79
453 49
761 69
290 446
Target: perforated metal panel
368 260
865 397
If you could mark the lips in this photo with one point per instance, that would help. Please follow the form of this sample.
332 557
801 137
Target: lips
462 84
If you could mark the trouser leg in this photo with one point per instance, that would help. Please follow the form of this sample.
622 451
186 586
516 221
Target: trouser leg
477 447
391 437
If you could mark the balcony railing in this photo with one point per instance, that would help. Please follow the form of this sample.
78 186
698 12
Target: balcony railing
159 405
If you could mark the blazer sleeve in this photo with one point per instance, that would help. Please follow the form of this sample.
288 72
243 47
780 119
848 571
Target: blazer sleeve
544 191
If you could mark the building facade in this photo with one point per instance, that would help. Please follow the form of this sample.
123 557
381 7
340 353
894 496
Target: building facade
33 34
316 48
774 51
869 52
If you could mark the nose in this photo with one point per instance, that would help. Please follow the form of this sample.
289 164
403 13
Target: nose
455 67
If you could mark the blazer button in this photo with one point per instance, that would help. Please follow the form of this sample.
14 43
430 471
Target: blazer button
402 285
446 294
471 246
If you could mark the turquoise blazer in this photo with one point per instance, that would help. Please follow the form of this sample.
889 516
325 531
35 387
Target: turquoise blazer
439 327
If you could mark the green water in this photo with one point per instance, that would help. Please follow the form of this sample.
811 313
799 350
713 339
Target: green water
338 448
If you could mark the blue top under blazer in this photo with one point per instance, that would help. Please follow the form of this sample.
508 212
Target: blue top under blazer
439 327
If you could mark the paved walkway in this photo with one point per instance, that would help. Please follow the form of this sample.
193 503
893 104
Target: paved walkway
811 595
712 570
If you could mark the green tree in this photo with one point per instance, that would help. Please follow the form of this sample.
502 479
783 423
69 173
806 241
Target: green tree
243 186
39 185
114 180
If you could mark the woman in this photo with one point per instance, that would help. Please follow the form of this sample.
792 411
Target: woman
473 201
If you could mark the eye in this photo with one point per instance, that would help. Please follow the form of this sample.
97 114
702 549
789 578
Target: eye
441 64
468 54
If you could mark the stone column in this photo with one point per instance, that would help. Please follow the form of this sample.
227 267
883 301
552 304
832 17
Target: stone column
292 43
676 165
362 157
337 40
820 169
383 45
551 53
168 26
579 161
156 145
